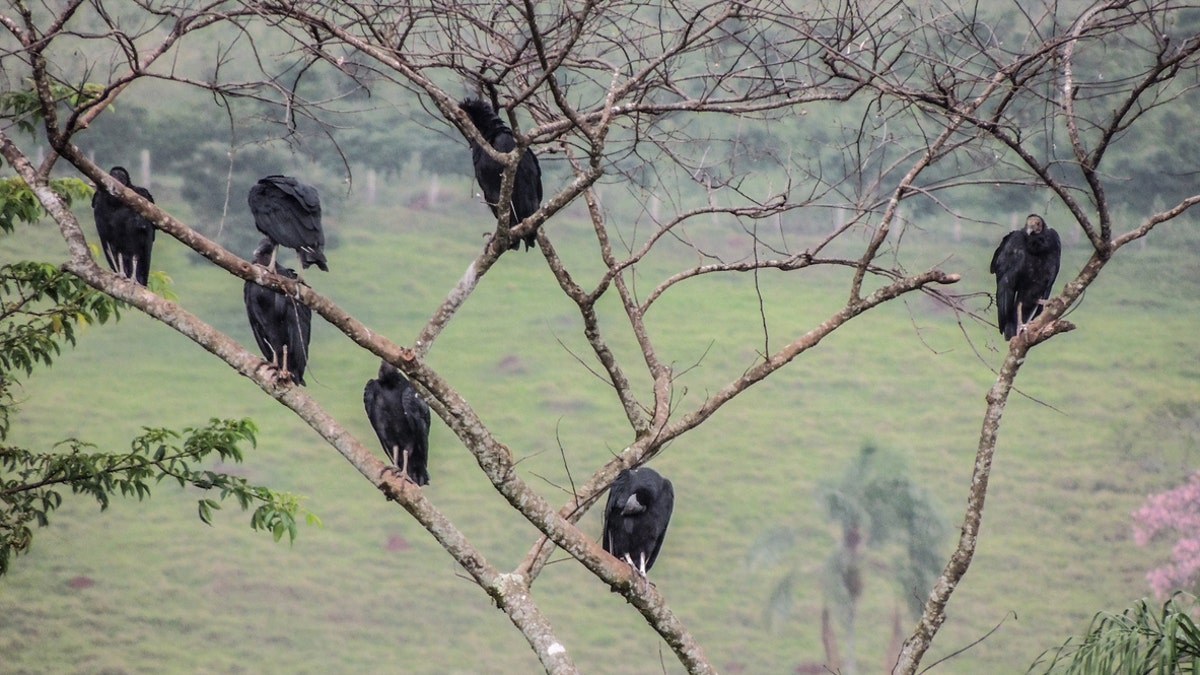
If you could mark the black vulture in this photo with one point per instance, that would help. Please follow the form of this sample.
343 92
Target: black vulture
636 517
125 236
401 420
527 184
1025 265
281 324
288 212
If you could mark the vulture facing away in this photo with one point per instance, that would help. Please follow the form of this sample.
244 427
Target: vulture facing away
1025 265
636 517
288 212
527 183
125 236
401 420
281 324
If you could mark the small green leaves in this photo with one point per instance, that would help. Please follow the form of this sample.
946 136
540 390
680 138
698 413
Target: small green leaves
23 106
40 308
40 305
277 514
19 204
160 283
32 484
206 509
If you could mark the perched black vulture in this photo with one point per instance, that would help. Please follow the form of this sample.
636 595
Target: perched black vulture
288 212
401 420
125 236
636 517
527 184
1025 265
281 324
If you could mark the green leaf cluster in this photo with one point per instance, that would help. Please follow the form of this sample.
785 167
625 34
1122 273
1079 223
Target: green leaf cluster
32 484
23 107
41 307
19 204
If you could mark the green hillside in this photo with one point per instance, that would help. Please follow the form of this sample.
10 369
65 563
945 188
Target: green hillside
145 587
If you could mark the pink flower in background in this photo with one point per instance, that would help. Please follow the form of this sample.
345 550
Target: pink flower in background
1175 511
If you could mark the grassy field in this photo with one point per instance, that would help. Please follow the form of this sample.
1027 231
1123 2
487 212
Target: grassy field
145 587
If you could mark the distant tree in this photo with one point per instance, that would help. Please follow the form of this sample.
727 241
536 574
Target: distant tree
930 101
885 521
1175 512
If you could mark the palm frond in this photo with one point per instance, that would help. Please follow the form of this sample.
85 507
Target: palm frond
1143 639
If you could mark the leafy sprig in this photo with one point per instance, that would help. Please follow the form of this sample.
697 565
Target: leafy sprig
32 484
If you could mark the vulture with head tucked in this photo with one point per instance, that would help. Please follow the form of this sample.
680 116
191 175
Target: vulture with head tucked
401 421
125 235
1026 265
282 325
636 517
